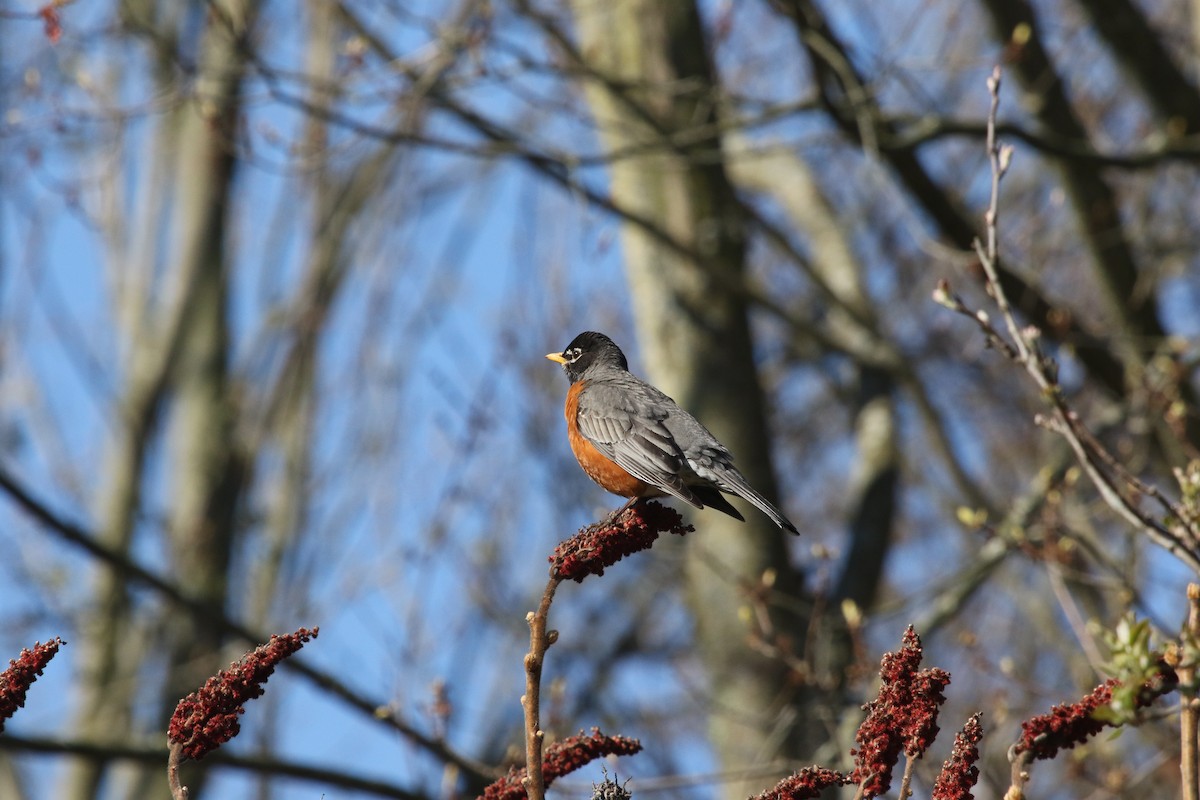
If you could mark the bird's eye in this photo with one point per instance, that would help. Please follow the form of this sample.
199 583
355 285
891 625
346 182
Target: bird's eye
573 354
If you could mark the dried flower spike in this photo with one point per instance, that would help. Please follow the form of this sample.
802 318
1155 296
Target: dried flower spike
1070 724
51 21
21 673
959 773
207 718
804 785
902 717
1065 726
562 758
599 546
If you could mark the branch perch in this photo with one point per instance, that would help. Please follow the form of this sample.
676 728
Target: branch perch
540 640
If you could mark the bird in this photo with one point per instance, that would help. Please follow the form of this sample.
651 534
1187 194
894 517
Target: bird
636 442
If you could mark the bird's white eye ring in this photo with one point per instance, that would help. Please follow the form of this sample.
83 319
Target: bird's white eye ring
573 354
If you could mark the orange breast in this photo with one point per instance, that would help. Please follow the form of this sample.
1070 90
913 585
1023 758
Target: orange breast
598 466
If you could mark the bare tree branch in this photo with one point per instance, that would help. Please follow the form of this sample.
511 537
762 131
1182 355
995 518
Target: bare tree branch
1109 476
154 757
130 570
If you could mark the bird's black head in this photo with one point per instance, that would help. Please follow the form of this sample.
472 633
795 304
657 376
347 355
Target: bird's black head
586 350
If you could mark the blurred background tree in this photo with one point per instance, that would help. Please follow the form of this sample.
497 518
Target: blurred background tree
276 282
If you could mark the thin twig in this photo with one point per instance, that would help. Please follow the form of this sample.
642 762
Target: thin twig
1188 713
910 764
540 640
1178 536
1020 774
176 757
999 157
1074 617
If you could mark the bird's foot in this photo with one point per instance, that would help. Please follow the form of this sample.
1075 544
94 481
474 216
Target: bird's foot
612 518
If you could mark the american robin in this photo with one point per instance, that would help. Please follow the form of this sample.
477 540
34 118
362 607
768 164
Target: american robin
636 442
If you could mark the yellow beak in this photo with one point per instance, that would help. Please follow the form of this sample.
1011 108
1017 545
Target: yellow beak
557 357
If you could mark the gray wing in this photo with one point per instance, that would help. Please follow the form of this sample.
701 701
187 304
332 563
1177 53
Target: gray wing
623 425
711 461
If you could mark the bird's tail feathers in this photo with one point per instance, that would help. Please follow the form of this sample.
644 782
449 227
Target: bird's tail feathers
737 485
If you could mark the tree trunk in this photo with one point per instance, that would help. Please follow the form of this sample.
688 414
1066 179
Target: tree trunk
179 348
